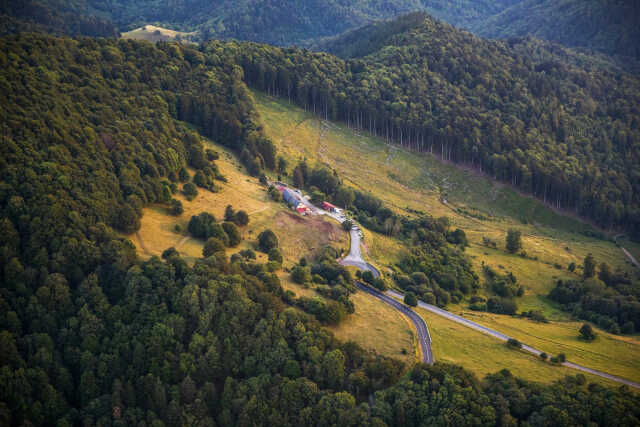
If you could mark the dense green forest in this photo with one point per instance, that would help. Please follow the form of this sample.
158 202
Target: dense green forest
92 131
610 26
566 133
53 16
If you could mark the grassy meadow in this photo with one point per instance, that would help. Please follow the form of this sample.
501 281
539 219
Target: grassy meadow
155 34
408 181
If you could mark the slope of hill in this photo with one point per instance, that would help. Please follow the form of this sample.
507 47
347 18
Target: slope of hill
93 131
407 184
609 26
53 16
566 133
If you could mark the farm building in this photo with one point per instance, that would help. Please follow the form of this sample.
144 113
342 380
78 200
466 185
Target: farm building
302 209
329 207
290 198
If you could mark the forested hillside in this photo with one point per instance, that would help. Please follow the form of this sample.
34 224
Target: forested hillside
53 16
610 26
566 133
90 335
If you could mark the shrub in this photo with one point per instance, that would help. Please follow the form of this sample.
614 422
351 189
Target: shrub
267 240
275 255
183 175
248 254
169 252
190 191
212 246
544 356
502 305
229 213
514 343
587 333
410 299
241 218
201 225
367 276
200 180
300 274
233 233
379 284
513 241
176 207
347 225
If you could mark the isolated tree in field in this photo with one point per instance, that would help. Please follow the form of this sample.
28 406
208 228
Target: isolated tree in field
514 343
347 225
190 191
241 218
589 266
229 213
212 246
267 240
514 241
605 273
410 299
275 255
176 207
201 225
587 333
232 233
572 266
199 179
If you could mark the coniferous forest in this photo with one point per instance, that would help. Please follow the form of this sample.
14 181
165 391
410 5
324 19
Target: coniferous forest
93 130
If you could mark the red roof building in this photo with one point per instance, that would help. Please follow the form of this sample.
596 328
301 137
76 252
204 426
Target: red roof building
328 206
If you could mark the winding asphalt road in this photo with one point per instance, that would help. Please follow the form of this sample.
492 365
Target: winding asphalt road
503 337
421 327
354 258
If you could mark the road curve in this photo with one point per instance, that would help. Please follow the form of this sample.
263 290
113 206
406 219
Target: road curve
421 327
354 258
503 337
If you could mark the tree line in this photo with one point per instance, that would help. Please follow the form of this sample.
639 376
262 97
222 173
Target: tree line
565 132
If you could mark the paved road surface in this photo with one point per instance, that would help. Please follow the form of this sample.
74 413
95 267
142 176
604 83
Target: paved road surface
421 327
631 258
355 259
503 337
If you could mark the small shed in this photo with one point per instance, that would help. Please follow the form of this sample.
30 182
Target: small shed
328 207
302 209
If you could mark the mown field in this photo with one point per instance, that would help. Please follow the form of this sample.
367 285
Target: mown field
155 34
407 181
